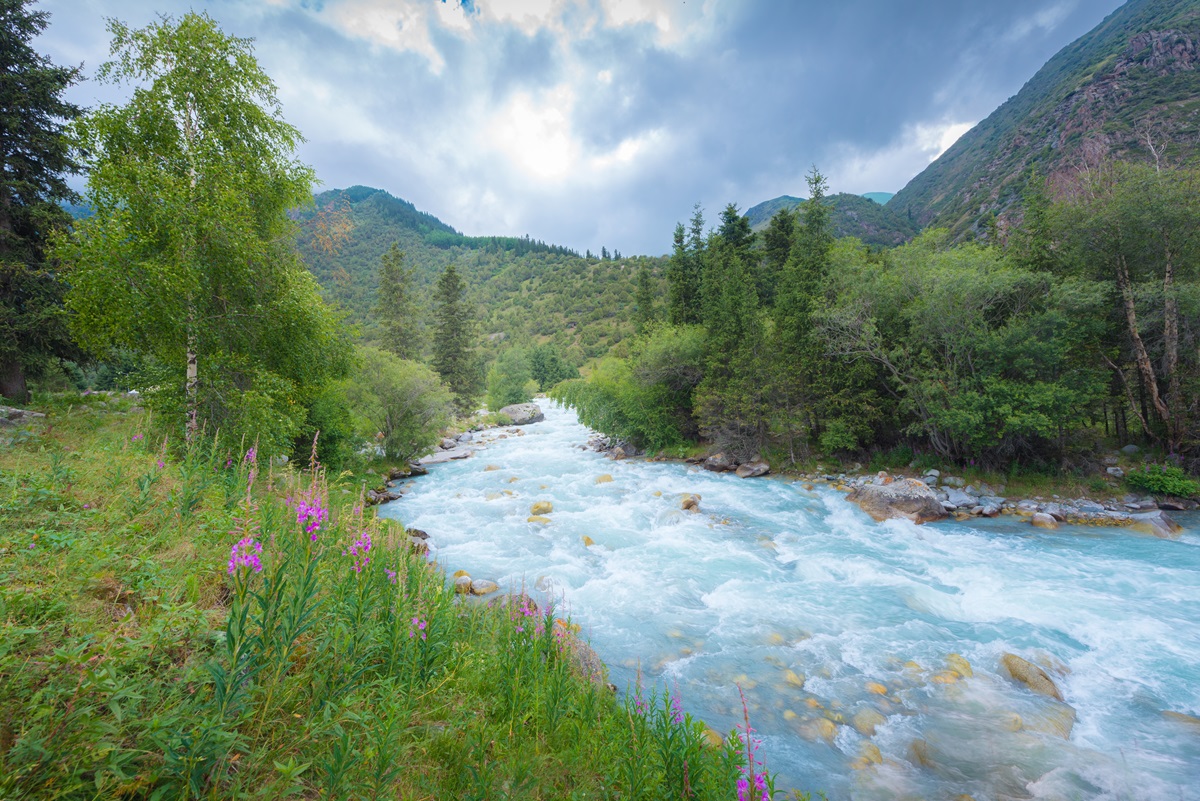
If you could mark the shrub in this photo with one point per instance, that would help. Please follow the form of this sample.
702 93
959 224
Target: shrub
1163 480
403 401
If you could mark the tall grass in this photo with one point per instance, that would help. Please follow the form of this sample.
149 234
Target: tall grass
198 625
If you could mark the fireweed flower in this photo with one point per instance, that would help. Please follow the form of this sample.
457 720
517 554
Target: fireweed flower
245 553
417 626
359 551
251 456
136 438
676 707
311 516
160 464
391 574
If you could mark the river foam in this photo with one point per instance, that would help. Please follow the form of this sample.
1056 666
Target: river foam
769 583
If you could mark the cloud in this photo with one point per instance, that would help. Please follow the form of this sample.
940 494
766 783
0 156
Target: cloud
590 122
888 168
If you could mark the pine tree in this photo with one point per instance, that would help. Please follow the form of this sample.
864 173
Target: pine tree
394 305
777 248
452 338
34 158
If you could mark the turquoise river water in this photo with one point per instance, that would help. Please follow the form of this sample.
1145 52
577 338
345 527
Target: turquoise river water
840 629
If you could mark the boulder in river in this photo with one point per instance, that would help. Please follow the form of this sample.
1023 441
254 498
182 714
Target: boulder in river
719 463
690 502
462 585
483 587
541 508
523 414
1157 523
604 479
906 498
1043 520
1030 675
753 469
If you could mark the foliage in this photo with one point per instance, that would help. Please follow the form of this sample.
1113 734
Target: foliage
186 260
395 307
510 379
35 159
849 216
204 627
647 398
1163 480
548 367
402 405
453 326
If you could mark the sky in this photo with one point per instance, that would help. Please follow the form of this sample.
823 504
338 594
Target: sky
590 123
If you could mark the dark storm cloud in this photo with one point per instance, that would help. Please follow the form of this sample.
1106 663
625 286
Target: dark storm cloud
600 122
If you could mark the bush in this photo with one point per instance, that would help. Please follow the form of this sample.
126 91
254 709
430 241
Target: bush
1163 480
510 380
403 404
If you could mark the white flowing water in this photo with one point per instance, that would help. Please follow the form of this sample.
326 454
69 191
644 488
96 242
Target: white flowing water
827 619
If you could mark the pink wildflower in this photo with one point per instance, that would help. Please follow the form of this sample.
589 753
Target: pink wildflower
359 550
245 553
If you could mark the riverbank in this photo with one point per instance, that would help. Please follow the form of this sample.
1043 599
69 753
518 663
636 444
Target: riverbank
198 624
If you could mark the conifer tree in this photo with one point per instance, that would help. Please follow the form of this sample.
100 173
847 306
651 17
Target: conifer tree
34 160
777 248
452 338
394 305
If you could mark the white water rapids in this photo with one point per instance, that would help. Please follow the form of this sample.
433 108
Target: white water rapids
837 626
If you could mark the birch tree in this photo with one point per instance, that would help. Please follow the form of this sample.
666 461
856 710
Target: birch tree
189 258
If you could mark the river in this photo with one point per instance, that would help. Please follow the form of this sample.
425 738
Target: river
840 629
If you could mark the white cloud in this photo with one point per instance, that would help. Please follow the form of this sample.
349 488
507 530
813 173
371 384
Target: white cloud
1045 20
891 167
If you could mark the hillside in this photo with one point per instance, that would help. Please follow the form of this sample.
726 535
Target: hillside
524 290
881 198
1131 80
853 215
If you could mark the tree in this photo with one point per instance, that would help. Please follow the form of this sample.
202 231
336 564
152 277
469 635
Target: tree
394 305
510 380
402 403
452 338
644 312
34 158
777 248
188 258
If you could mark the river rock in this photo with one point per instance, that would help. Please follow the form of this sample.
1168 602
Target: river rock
954 481
1180 717
541 508
418 546
865 721
753 469
957 498
604 479
483 587
462 585
1043 520
1030 675
466 436
541 519
690 502
1131 450
523 414
448 443
906 498
1156 523
623 450
719 463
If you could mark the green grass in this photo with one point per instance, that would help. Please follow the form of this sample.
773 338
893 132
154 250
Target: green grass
133 664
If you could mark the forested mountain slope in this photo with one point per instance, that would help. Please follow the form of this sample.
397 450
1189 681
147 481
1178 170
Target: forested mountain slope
522 289
853 215
1128 89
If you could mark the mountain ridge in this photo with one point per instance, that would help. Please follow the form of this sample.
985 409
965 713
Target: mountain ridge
1132 79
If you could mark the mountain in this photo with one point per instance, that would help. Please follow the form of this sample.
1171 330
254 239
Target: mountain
1131 81
879 197
853 215
524 291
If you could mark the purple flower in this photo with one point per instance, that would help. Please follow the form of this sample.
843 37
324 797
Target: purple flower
359 550
417 626
251 456
135 438
160 464
311 516
245 553
391 574
676 708
743 789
